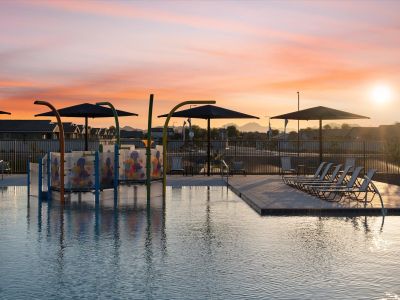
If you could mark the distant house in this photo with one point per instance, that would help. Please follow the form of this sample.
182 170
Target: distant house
71 131
383 132
94 132
81 130
131 134
103 133
157 132
27 129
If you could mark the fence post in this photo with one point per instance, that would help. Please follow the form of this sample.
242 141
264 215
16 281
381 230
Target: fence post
235 149
40 179
28 178
15 155
48 177
116 170
96 179
365 157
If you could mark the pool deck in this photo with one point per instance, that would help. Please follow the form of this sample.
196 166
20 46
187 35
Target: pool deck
13 180
197 180
268 195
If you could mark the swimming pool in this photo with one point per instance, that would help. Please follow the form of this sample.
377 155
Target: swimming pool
201 243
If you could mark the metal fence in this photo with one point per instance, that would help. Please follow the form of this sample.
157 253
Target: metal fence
259 157
263 157
18 152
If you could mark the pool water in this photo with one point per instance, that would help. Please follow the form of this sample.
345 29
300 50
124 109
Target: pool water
200 243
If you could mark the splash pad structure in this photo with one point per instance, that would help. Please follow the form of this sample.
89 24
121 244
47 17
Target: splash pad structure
94 171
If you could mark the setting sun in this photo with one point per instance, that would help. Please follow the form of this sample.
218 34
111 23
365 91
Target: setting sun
381 94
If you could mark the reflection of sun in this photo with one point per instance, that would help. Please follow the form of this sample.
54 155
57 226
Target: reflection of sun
381 94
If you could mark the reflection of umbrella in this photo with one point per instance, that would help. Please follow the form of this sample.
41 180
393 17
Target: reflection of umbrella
87 110
209 112
319 113
4 113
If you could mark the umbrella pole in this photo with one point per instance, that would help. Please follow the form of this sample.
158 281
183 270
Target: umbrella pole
320 141
208 147
86 134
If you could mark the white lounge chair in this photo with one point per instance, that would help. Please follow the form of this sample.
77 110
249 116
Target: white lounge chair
330 179
286 167
288 179
297 182
177 165
237 167
331 193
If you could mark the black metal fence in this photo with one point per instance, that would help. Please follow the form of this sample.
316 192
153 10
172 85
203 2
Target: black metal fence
259 157
263 157
18 152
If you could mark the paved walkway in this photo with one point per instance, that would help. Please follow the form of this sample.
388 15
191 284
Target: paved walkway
13 180
269 195
197 180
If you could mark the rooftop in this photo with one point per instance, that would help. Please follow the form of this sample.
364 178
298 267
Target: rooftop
25 126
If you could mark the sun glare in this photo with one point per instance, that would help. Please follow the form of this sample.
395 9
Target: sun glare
381 94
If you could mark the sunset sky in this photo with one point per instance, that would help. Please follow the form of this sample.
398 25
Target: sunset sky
248 56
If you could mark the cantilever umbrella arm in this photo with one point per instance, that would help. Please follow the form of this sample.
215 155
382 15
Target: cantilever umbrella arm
115 117
165 135
62 147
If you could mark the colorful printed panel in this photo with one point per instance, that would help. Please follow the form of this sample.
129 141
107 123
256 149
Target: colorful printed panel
156 163
132 164
80 171
107 169
55 169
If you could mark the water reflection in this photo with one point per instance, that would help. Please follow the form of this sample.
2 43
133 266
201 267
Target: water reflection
198 241
129 219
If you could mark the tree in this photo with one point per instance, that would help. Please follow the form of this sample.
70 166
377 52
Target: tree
232 131
345 126
327 127
199 133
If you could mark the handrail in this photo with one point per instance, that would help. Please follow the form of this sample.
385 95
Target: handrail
225 165
376 191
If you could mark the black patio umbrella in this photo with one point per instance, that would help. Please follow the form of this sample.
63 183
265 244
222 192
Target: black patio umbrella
319 113
209 112
4 113
87 110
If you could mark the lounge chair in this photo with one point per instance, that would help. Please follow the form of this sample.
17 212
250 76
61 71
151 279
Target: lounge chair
327 180
360 193
4 168
288 179
340 181
298 182
176 165
286 167
225 170
237 167
331 193
350 161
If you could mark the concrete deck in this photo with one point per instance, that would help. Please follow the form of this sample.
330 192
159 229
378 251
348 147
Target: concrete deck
268 195
13 180
197 180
